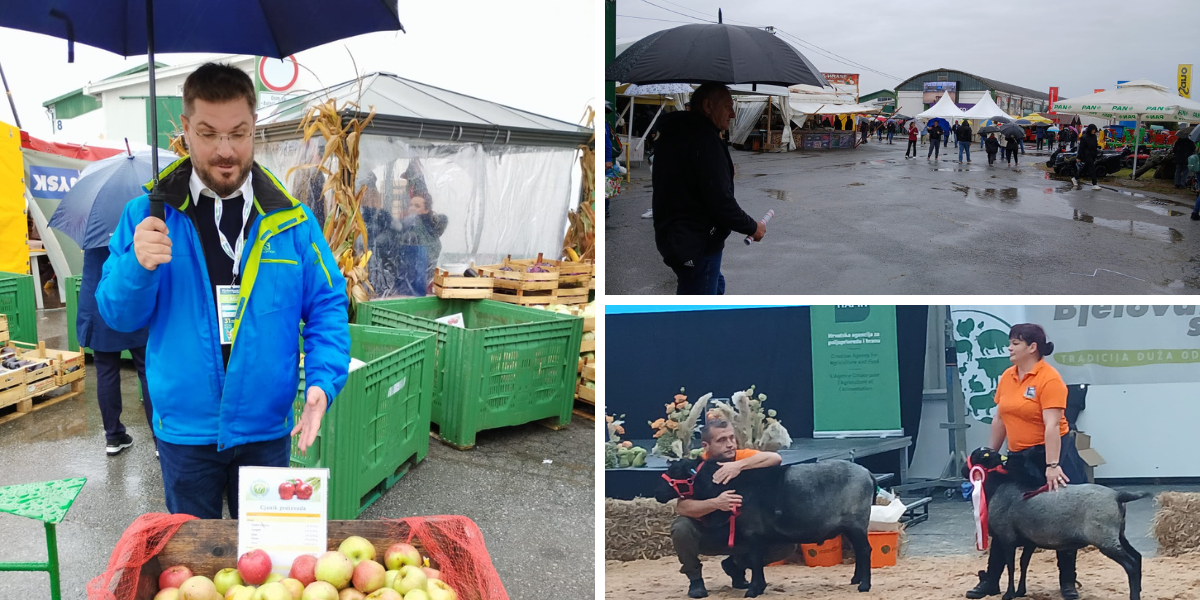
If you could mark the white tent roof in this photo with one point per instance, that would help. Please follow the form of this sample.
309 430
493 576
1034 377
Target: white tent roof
1139 100
818 108
944 109
985 109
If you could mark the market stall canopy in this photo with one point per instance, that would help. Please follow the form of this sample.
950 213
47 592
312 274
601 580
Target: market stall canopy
814 108
1036 118
657 89
723 53
984 109
415 110
1140 100
944 108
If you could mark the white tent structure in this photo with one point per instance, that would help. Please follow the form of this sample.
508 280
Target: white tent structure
985 109
1140 100
944 109
676 92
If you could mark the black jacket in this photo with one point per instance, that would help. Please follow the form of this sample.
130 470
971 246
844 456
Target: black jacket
963 133
1184 148
694 206
1010 143
1088 148
992 145
935 133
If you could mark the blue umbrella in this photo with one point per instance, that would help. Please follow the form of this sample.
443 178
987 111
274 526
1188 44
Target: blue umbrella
275 28
89 212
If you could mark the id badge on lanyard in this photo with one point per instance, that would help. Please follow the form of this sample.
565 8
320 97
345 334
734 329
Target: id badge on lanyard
227 295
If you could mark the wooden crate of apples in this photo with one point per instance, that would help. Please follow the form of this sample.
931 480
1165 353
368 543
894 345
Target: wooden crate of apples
197 564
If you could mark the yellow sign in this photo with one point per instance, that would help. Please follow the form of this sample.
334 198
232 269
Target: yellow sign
1185 81
14 247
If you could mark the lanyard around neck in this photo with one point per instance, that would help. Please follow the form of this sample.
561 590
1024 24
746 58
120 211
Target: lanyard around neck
235 253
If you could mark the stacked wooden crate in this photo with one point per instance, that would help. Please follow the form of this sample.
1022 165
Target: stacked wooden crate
587 365
3 328
28 387
512 282
446 285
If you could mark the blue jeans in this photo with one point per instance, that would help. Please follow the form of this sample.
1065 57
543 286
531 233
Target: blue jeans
197 478
1197 208
890 134
934 149
1181 172
964 147
704 278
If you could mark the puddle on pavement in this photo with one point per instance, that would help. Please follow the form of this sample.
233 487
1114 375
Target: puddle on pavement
778 194
1159 207
760 174
1046 202
855 184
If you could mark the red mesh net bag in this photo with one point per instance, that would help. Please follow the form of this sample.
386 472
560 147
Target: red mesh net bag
455 547
142 540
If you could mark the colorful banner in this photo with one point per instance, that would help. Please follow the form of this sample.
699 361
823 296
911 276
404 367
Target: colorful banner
846 84
1097 91
933 91
48 177
981 343
1053 99
1101 344
856 381
1185 81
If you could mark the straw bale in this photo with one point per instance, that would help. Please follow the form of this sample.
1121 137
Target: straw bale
638 529
1176 523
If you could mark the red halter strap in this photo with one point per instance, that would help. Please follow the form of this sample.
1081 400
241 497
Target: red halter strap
689 483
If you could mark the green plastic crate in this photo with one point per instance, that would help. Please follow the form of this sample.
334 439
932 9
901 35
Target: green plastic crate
510 365
378 426
19 304
74 283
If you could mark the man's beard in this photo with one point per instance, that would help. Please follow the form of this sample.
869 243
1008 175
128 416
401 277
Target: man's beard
224 189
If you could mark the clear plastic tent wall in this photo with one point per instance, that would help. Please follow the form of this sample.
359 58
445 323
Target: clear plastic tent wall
484 203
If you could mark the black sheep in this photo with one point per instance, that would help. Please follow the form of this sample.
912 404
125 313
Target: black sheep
804 503
1071 518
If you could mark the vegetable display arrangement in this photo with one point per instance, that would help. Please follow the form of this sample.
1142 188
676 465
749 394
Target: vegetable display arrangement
621 454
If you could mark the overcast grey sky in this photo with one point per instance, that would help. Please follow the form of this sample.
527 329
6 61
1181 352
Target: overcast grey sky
497 51
1077 46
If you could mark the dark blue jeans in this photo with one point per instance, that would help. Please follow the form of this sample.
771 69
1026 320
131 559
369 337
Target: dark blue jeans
196 479
704 278
108 390
1197 208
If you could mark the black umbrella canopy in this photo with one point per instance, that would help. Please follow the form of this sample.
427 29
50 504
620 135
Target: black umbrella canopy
721 53
1013 130
989 129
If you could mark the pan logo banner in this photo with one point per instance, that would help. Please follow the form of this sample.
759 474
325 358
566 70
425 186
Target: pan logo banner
1185 81
856 381
1104 344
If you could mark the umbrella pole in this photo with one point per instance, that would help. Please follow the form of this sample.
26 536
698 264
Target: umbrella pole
8 93
156 199
1137 137
629 140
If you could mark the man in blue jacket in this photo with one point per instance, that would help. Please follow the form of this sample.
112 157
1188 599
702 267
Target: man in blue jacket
106 345
224 284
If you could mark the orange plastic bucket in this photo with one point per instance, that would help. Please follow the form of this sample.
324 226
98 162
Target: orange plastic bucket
825 554
884 546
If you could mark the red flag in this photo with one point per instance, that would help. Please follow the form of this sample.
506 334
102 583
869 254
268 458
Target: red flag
1053 99
1097 91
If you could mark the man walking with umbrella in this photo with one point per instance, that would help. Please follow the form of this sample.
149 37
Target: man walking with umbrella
223 285
694 205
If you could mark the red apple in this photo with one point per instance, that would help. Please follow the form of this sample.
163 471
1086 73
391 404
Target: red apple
432 573
286 489
304 491
400 554
303 569
174 577
368 576
255 567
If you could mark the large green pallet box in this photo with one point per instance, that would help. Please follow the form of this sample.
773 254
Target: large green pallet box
74 283
20 305
510 365
378 426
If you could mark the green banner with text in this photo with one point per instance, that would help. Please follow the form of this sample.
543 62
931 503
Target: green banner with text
856 380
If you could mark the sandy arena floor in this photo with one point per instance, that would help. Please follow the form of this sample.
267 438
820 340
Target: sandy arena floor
923 578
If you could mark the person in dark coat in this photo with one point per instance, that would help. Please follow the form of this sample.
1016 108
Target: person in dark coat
935 141
963 135
694 204
1184 148
424 227
891 130
107 344
1040 134
1011 148
992 145
1089 151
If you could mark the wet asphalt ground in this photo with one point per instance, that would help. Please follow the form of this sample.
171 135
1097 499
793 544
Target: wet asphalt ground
537 518
869 221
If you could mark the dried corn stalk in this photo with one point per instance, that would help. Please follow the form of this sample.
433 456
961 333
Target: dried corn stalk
344 225
580 241
177 146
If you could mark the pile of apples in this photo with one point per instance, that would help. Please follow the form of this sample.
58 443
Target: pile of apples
350 573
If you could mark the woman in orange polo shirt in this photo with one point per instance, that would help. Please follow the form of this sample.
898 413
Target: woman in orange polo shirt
1031 398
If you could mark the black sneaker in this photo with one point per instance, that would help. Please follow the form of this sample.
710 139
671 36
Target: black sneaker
696 589
1196 216
116 445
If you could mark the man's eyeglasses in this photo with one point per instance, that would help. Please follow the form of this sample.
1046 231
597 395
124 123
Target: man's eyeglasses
212 138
